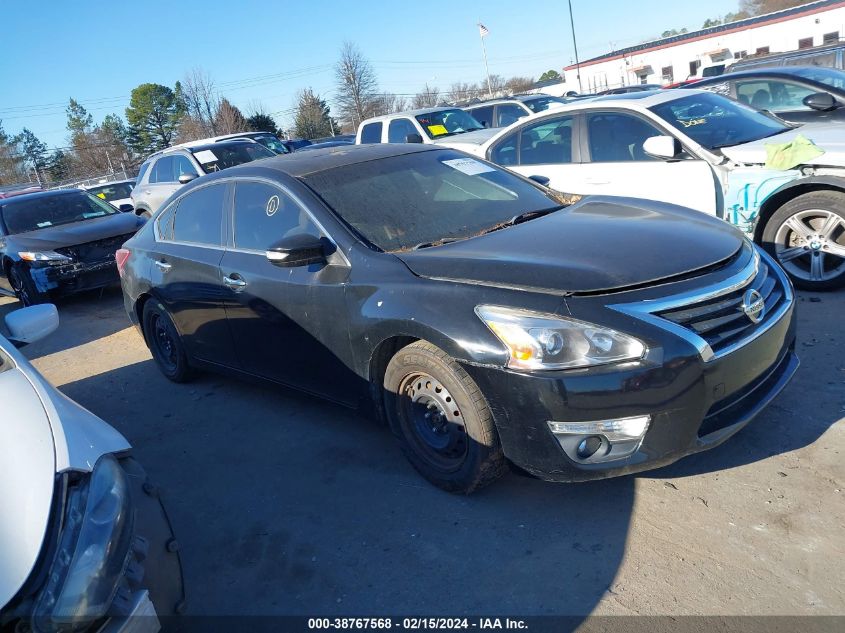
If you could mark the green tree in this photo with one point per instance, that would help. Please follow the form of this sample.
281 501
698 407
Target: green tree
10 159
550 75
79 120
261 122
33 149
153 117
313 119
60 166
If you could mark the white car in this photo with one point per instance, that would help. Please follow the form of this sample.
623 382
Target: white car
85 543
505 111
117 193
700 150
451 127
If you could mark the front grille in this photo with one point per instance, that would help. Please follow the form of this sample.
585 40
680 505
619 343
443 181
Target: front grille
94 252
721 321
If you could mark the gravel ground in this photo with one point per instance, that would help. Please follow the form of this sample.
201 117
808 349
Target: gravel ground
285 504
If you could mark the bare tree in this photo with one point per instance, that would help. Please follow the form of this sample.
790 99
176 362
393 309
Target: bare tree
497 85
357 86
428 97
463 91
518 85
228 119
388 103
201 100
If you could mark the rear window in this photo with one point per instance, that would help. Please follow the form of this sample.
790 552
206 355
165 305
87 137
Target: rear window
112 192
224 156
371 133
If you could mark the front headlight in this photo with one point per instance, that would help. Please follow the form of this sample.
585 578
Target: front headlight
546 341
43 256
93 552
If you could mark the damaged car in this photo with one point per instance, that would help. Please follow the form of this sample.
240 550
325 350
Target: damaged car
58 242
486 320
85 542
782 184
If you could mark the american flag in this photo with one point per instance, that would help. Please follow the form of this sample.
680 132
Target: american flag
482 29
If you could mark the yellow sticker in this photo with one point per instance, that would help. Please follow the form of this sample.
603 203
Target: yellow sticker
101 196
692 122
438 130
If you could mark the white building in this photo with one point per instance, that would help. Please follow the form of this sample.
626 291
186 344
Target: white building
679 57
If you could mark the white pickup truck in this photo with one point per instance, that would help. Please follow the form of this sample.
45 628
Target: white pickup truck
450 127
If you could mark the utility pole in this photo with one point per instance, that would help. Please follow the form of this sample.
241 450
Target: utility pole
575 45
482 30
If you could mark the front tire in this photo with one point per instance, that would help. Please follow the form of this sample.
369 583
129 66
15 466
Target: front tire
441 419
807 237
165 343
24 287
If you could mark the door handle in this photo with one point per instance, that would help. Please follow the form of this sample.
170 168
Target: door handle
235 282
163 266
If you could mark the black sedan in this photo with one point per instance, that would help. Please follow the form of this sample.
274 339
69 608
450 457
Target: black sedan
799 94
58 242
482 317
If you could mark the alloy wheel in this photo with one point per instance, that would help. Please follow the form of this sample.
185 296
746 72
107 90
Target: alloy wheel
810 245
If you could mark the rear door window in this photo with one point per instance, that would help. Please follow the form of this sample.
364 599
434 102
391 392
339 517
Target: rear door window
547 143
399 129
483 115
371 133
163 170
507 113
198 218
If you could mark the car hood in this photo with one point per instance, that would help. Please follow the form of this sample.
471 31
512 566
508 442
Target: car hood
600 243
468 141
43 433
828 136
92 230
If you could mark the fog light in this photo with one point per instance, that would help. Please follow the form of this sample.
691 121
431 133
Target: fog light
602 440
588 446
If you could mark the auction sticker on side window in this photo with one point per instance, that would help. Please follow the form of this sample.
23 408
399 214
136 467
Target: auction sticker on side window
468 166
205 156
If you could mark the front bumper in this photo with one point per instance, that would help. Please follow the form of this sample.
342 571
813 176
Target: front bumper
74 277
694 405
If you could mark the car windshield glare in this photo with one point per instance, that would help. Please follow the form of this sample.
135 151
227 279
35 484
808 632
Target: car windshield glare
448 122
828 76
224 156
425 198
714 121
43 212
272 143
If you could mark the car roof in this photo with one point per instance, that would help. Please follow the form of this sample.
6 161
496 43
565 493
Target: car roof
217 145
496 100
41 194
299 164
775 71
409 113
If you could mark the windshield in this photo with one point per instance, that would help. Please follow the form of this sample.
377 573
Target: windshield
112 192
448 122
425 198
40 213
542 103
272 143
828 76
223 156
714 121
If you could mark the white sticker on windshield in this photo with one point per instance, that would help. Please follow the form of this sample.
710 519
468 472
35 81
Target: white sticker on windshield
468 166
205 156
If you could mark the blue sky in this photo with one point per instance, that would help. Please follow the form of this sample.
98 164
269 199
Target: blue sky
264 52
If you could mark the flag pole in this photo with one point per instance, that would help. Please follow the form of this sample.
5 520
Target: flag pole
482 31
575 45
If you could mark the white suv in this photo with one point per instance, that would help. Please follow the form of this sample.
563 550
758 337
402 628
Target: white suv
165 171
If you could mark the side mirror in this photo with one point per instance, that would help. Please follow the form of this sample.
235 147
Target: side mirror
543 180
126 208
184 179
31 324
665 147
821 101
413 138
298 250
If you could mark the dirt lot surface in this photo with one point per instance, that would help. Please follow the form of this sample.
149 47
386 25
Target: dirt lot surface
285 504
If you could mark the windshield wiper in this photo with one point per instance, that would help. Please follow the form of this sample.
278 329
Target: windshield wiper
441 241
522 217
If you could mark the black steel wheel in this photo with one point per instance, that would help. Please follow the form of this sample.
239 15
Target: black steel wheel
165 343
441 419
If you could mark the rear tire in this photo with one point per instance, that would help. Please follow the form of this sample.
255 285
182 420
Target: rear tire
441 419
807 238
24 287
165 343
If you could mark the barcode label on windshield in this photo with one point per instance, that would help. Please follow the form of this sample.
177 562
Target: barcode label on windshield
468 166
